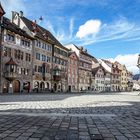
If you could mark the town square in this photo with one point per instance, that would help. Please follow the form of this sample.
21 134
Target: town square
69 70
86 116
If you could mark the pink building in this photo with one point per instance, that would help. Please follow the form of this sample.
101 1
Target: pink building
73 72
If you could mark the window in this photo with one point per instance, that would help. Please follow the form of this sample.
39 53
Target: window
25 43
43 57
37 56
39 68
16 54
48 69
26 71
59 61
49 47
23 71
48 59
7 51
62 62
28 57
38 44
19 54
64 53
10 37
57 50
20 70
56 60
43 45
35 68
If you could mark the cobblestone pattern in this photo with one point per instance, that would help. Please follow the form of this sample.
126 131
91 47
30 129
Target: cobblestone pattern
124 126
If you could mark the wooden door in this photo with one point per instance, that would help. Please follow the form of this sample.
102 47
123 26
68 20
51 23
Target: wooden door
16 86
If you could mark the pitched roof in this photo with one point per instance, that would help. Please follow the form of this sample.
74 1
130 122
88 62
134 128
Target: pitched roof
11 62
96 67
2 12
107 62
42 31
86 53
7 24
72 52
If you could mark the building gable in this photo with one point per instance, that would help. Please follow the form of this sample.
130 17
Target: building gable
2 12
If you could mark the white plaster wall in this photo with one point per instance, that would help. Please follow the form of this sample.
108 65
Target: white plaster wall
106 67
73 48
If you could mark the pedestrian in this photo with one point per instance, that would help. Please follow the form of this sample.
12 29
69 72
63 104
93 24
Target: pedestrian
28 87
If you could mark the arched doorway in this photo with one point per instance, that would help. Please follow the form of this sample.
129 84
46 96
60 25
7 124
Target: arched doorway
36 86
26 86
55 87
16 86
5 87
47 85
42 86
59 88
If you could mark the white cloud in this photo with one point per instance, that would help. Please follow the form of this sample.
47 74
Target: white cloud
129 60
13 5
91 27
48 25
120 29
62 35
71 27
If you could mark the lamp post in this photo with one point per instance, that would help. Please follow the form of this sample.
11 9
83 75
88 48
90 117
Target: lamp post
138 65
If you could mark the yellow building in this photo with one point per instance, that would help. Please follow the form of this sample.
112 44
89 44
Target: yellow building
124 79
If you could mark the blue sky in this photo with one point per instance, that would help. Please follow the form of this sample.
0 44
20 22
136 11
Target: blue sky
107 28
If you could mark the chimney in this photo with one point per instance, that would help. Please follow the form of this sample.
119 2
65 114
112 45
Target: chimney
81 48
15 18
21 13
13 15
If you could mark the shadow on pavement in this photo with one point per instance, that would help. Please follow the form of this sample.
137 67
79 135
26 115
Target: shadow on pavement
49 96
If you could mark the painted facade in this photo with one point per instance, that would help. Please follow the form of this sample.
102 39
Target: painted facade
98 73
50 57
16 58
32 59
2 12
73 72
124 80
107 69
115 78
60 68
84 67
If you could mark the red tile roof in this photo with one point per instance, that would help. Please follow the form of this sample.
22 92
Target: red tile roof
11 62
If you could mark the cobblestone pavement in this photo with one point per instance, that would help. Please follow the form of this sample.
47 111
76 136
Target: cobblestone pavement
108 116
